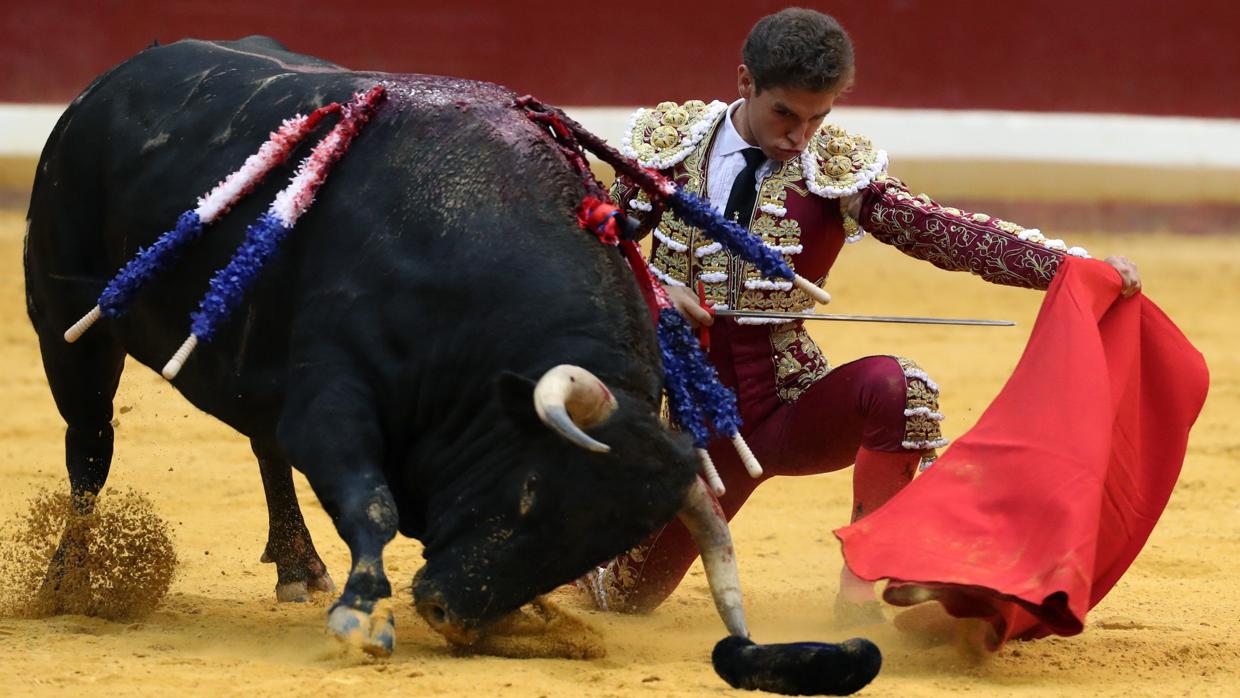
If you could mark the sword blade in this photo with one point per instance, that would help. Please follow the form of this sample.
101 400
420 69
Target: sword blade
866 318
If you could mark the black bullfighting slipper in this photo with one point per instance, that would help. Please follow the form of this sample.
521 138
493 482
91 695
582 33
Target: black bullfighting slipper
797 668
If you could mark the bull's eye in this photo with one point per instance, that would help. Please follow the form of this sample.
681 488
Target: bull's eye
529 491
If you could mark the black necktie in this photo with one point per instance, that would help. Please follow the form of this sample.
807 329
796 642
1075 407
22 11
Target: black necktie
745 188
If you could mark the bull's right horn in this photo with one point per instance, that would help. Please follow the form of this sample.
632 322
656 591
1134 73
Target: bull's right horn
569 399
704 519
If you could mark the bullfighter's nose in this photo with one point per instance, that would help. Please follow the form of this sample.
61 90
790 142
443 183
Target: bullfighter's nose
435 612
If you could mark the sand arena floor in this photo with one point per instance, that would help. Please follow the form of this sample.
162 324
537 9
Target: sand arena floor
1168 628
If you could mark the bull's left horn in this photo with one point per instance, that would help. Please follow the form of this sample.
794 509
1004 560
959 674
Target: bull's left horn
569 399
704 519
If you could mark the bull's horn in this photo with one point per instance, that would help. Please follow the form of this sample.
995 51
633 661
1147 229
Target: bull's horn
569 399
704 519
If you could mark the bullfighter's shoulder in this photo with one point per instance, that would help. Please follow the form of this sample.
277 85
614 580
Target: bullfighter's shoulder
838 163
665 135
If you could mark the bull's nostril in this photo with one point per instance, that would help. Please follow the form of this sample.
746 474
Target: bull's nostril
438 615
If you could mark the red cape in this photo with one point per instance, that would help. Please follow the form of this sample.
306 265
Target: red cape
1031 517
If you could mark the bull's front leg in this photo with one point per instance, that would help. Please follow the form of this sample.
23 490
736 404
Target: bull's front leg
331 434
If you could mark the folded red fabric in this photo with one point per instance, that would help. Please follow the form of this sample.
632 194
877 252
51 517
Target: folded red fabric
1032 516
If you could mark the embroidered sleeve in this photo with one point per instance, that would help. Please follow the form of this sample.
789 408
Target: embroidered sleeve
955 240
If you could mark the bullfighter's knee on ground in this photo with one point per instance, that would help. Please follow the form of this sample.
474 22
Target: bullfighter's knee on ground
642 579
864 403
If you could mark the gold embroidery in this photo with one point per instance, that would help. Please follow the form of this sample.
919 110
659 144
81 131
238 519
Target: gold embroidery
713 266
776 231
799 363
997 250
676 231
713 271
676 116
852 231
672 263
922 416
723 277
659 137
680 264
758 299
1005 226
641 197
611 585
694 166
842 160
664 137
627 568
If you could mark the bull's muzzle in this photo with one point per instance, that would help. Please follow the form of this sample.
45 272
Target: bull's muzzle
435 612
570 399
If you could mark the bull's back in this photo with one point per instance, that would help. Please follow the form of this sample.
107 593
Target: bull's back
450 206
144 140
132 152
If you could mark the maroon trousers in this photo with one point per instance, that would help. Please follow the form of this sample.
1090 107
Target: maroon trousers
854 413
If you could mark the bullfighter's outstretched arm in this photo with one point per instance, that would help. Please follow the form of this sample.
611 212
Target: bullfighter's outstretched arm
999 251
949 238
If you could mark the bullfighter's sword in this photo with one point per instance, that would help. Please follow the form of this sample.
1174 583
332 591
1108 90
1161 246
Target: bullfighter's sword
863 318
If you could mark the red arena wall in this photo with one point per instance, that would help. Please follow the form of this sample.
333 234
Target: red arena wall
1047 55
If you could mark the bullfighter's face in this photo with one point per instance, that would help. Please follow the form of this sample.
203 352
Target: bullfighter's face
780 120
546 512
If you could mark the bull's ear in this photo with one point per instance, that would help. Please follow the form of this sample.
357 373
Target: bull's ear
516 399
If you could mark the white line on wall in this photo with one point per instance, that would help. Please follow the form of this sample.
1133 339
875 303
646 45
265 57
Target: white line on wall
934 134
912 134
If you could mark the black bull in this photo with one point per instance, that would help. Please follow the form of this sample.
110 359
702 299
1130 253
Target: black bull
390 351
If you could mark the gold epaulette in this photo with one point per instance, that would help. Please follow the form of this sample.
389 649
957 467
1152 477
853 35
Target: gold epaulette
837 163
665 135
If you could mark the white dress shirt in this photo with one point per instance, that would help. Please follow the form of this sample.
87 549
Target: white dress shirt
726 161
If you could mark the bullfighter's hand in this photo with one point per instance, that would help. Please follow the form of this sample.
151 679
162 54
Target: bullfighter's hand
687 305
1128 272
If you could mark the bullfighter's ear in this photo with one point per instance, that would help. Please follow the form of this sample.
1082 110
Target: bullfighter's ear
516 398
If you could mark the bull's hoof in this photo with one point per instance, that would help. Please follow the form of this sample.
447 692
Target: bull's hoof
300 591
374 634
797 668
299 571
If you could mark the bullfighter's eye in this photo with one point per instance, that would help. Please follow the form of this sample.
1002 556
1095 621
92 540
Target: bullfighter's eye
529 490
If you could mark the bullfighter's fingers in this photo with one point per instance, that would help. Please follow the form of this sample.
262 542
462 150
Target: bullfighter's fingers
686 304
1128 273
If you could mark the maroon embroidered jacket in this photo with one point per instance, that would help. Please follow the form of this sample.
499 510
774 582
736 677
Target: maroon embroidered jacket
799 212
